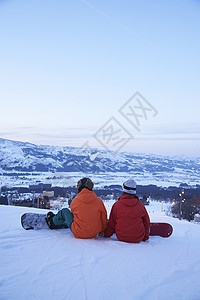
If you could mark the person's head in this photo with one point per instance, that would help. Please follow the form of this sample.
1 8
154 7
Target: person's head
84 183
129 187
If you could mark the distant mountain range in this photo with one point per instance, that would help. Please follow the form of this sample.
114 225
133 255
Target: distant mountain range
27 157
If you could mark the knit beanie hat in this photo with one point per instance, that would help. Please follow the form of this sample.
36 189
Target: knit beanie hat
129 186
85 183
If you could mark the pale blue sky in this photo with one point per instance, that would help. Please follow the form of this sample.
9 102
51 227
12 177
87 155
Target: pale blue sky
67 67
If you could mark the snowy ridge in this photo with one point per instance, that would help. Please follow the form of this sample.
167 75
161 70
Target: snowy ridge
52 264
27 157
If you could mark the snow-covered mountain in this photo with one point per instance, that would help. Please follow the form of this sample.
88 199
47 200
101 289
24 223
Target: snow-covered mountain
22 156
27 157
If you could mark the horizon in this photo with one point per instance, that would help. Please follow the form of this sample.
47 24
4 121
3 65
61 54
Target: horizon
179 156
120 76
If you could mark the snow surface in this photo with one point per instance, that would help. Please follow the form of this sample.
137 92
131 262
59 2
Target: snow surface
66 179
52 264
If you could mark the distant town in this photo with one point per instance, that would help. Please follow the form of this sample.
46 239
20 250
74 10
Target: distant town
185 200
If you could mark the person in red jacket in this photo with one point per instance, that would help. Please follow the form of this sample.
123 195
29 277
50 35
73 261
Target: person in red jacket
128 218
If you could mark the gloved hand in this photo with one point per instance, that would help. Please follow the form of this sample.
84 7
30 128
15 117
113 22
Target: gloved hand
146 238
101 234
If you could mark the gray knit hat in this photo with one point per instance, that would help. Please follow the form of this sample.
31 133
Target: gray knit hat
85 183
129 186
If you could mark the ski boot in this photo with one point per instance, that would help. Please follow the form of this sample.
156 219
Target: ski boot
49 220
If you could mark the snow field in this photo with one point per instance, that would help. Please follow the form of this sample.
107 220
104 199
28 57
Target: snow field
52 264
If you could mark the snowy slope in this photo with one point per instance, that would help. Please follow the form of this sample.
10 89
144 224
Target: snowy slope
54 265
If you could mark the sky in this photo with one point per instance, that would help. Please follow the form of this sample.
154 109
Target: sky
116 75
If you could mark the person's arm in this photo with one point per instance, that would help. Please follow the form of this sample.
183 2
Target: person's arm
146 222
103 217
73 204
111 224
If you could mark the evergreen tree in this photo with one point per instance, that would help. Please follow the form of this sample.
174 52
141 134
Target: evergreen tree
188 208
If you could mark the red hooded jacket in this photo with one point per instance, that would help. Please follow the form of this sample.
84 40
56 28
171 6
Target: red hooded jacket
129 219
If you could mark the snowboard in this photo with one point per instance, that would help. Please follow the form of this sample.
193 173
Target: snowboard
160 229
36 221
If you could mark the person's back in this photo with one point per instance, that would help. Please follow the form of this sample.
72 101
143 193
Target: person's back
129 218
90 216
87 217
